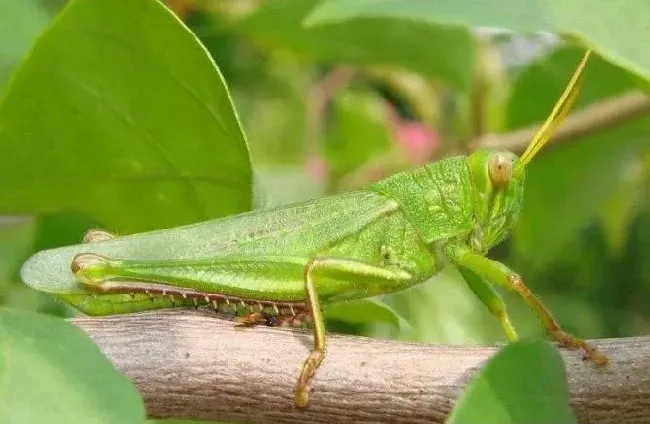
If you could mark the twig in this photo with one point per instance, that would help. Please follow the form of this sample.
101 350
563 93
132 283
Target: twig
317 100
188 364
591 119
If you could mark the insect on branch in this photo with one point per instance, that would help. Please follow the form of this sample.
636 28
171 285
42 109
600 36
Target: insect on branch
188 364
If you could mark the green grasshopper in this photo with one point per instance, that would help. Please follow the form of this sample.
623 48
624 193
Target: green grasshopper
279 266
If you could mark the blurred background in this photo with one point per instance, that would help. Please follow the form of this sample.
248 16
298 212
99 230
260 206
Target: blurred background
330 109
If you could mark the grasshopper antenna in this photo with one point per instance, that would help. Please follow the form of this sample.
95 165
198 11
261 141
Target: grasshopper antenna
560 110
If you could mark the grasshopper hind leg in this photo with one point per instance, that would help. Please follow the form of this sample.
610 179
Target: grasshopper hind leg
358 276
317 354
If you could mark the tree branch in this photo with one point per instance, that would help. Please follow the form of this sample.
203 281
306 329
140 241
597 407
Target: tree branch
591 119
188 364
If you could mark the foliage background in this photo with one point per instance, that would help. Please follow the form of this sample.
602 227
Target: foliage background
332 107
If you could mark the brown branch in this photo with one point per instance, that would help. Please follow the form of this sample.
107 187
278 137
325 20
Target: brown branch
188 364
591 119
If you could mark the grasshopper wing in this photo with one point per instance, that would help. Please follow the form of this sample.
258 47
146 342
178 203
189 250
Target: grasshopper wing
293 230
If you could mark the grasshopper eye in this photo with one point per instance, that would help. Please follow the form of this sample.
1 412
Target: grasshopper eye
500 170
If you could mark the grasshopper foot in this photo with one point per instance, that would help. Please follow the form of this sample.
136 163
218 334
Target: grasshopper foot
256 318
591 353
94 236
251 320
301 392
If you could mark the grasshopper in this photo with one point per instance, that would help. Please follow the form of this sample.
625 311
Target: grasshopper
279 266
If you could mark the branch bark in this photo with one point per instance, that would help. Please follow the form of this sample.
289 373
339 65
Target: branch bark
590 120
187 364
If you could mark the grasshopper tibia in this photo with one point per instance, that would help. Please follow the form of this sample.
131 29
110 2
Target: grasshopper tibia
317 354
552 327
94 236
309 368
359 275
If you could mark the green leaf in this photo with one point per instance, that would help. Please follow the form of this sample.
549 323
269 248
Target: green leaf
16 241
574 180
445 310
437 52
621 40
16 236
620 209
120 113
360 131
52 372
524 383
61 229
365 311
20 23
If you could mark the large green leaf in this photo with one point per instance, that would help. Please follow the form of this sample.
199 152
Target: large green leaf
569 185
616 31
16 241
51 372
16 235
360 131
440 53
120 113
444 310
524 383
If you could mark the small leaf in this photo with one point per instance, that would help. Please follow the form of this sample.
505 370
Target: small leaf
576 179
365 311
119 113
524 383
16 235
617 214
442 53
621 208
445 310
360 131
20 23
51 372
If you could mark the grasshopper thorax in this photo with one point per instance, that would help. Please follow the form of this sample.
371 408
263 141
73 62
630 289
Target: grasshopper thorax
498 196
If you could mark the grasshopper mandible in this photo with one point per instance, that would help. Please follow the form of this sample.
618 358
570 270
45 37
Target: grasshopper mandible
279 266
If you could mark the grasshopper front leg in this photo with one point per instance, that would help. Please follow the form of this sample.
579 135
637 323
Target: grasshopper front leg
491 299
498 273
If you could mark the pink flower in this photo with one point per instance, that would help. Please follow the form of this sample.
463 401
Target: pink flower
418 142
316 168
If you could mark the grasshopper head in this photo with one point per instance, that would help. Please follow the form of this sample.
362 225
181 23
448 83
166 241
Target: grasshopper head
498 175
498 195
